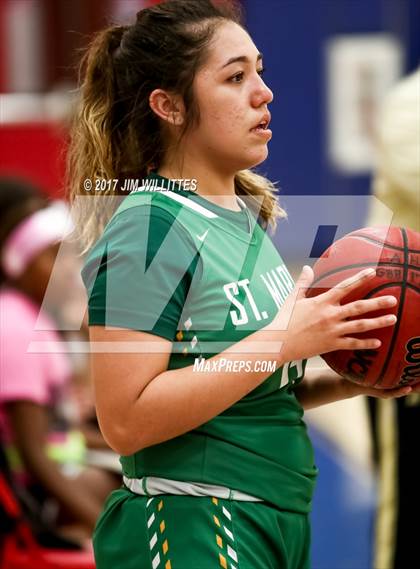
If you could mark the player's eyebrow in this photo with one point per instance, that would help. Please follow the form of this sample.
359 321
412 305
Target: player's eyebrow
241 58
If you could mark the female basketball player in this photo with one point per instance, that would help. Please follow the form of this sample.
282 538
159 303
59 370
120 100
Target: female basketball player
218 466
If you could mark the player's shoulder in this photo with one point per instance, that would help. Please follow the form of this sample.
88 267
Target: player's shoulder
165 203
139 207
141 222
162 210
151 216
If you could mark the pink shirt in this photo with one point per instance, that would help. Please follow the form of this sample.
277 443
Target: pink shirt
37 377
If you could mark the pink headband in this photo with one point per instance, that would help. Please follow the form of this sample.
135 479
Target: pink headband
34 234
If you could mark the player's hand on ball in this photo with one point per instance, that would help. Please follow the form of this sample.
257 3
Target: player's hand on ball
385 393
358 389
321 324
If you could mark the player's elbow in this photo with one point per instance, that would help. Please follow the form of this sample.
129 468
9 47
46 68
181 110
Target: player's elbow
121 438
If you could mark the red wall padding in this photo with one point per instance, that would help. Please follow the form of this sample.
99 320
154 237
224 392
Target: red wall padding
35 152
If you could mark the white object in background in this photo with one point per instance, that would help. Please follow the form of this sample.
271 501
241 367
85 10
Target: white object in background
360 70
25 108
25 59
346 424
106 459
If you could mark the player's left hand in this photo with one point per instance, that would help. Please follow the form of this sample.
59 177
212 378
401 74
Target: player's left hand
388 393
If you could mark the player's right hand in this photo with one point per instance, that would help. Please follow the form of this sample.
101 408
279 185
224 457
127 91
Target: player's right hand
313 326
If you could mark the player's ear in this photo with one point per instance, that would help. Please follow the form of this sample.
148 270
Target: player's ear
167 106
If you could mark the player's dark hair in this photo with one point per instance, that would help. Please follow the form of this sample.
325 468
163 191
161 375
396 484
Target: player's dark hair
115 132
18 200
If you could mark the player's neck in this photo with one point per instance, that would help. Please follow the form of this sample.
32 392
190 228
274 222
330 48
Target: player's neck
216 187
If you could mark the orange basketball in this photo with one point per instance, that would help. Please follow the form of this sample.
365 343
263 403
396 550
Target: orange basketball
395 254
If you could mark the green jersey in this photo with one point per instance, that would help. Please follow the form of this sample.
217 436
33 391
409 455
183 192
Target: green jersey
174 264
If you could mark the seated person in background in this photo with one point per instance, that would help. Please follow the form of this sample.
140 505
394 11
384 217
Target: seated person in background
35 407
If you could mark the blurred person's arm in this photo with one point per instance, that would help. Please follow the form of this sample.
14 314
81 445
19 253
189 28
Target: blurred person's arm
29 422
321 386
87 423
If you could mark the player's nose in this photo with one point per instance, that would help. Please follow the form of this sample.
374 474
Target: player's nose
262 94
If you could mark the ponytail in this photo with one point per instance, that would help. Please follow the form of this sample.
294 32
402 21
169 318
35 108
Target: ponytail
95 151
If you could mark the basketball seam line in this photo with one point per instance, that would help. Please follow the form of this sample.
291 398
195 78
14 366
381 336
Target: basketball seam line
400 309
384 243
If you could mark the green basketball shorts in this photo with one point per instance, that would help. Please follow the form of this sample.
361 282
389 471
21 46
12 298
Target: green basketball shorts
188 532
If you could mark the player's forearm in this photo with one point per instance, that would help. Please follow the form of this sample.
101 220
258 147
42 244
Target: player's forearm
321 386
177 401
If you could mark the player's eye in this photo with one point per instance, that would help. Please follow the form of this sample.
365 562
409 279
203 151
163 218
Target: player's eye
238 77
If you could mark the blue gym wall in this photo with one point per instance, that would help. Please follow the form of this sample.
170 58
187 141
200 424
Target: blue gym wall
292 35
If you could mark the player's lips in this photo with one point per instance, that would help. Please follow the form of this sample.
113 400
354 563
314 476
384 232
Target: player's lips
261 128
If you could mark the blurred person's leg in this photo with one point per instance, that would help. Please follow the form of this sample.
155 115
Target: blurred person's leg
395 426
99 484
